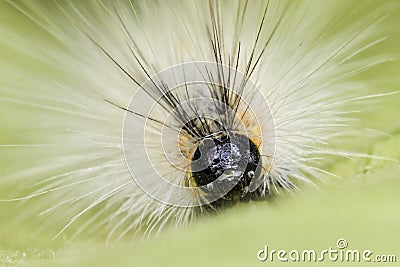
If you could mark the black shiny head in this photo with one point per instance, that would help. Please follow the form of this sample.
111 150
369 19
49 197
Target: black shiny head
226 162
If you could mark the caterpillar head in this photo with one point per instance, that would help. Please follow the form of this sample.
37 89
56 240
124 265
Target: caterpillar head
227 161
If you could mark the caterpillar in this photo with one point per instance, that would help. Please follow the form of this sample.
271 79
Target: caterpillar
136 115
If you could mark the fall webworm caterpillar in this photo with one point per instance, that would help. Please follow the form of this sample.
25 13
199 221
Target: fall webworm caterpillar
267 79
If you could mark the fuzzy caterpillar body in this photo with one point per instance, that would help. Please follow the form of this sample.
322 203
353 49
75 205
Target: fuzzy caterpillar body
106 104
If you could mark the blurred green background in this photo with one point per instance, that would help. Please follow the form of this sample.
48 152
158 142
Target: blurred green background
362 208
